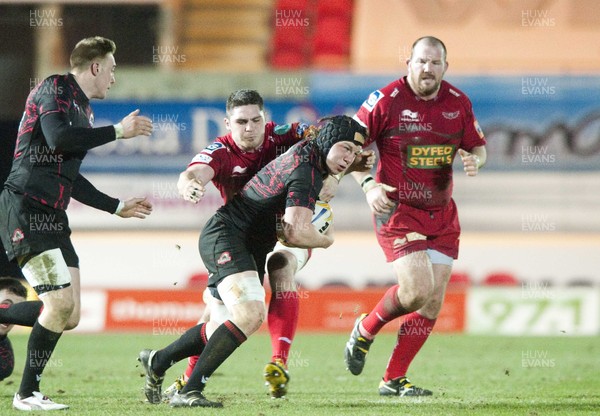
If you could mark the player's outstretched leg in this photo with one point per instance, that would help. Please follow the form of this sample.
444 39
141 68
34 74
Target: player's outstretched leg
357 348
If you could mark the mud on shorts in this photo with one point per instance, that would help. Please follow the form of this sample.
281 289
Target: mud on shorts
225 251
27 229
408 229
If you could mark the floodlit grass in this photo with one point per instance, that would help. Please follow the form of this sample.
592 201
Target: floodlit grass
99 375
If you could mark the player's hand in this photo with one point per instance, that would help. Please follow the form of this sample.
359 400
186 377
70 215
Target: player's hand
136 208
329 234
193 191
364 161
330 185
378 200
470 162
136 125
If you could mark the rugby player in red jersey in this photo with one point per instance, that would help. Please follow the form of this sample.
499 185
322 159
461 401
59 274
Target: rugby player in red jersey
419 123
229 162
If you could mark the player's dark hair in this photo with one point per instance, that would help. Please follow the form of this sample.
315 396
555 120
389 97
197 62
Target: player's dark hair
14 286
89 49
430 40
244 97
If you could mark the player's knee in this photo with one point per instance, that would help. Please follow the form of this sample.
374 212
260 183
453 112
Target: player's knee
281 268
59 304
412 304
249 316
416 298
73 321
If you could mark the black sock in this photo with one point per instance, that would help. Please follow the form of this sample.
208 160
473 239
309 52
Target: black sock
192 342
22 313
39 350
220 346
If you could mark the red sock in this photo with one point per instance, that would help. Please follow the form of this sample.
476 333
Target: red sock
413 333
385 311
194 358
284 309
191 364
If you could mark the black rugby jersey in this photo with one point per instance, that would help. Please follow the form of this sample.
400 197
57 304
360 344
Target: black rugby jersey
54 136
293 179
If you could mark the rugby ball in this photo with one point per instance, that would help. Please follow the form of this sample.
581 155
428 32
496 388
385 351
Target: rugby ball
323 216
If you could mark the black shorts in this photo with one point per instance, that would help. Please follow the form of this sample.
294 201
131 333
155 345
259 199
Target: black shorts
28 228
226 251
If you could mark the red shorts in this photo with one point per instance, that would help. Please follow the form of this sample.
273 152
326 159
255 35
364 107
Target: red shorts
410 229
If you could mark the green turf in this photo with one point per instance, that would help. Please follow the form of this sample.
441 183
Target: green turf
99 375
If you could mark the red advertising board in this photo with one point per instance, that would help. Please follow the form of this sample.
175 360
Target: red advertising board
173 311
336 310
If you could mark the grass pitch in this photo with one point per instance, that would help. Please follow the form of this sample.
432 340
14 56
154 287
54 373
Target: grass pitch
99 375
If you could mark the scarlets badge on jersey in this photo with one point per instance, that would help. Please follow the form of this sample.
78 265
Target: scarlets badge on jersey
375 96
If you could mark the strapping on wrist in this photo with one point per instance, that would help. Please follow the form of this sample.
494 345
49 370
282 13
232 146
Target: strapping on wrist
368 183
118 130
119 208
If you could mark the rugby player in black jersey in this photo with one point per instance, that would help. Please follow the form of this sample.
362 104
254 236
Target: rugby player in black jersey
278 202
54 135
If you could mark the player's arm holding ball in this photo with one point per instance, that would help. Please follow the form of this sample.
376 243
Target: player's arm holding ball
298 230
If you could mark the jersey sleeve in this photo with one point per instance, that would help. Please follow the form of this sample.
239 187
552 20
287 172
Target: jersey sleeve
53 102
473 136
7 358
213 155
304 186
372 115
87 194
61 136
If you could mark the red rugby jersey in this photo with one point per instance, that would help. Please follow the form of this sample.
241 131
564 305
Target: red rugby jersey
234 167
418 140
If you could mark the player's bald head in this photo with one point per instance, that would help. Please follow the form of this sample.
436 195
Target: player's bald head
429 41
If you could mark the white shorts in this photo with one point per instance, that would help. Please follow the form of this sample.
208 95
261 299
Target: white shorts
438 257
47 272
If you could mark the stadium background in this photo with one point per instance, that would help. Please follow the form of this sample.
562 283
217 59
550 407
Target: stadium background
529 254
